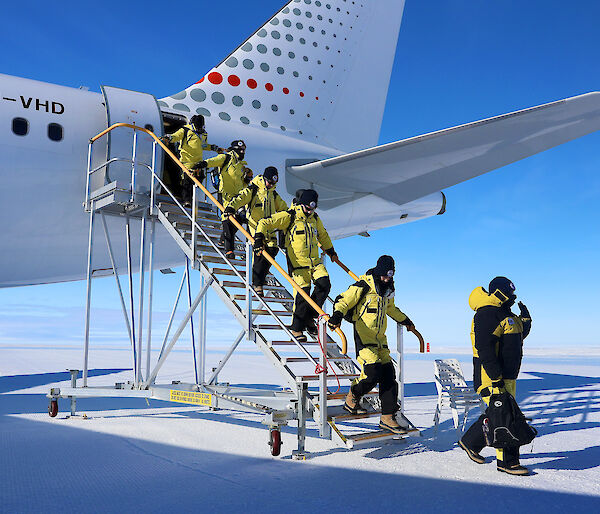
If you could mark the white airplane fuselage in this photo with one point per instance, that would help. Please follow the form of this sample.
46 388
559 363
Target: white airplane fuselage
44 225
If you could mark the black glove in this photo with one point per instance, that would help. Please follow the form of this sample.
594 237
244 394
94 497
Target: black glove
229 211
335 320
331 253
165 139
259 243
200 165
524 310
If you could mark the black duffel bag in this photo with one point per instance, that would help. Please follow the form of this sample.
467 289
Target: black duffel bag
505 426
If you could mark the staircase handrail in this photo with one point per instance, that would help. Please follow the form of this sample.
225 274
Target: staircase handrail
238 225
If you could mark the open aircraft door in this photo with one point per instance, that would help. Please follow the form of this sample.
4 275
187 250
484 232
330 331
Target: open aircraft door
141 109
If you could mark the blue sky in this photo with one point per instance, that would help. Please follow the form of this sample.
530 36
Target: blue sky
535 221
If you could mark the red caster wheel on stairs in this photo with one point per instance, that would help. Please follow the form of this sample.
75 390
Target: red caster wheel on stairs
53 408
275 441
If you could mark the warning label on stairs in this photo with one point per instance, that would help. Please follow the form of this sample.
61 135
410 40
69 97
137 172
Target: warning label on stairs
190 397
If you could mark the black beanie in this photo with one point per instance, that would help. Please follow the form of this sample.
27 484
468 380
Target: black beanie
504 285
308 197
197 121
385 264
271 174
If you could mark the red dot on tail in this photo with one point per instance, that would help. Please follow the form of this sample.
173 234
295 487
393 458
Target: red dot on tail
301 93
234 80
200 81
215 77
286 90
316 97
251 83
269 86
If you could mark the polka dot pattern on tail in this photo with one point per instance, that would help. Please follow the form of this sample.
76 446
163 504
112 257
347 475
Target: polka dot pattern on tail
299 33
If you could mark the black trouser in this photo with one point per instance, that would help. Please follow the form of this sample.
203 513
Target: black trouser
382 374
475 440
187 188
229 232
304 314
261 266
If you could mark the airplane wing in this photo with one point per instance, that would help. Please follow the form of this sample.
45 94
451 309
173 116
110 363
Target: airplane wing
406 170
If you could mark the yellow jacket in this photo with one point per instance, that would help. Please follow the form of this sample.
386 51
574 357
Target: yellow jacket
302 235
369 311
231 173
191 145
261 202
497 338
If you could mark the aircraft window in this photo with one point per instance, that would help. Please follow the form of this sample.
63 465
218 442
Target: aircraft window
20 126
149 127
55 132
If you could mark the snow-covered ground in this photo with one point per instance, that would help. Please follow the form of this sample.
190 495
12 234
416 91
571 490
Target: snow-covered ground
130 456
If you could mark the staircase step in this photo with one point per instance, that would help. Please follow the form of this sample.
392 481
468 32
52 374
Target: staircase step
203 211
187 231
167 200
285 360
291 343
265 312
266 298
331 376
342 396
217 260
229 283
269 327
202 247
182 221
376 435
347 417
223 271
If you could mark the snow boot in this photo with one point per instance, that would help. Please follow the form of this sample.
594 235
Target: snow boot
473 455
512 469
230 255
259 290
299 336
388 422
352 404
312 328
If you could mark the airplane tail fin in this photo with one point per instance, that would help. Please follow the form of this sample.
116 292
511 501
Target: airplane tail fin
318 69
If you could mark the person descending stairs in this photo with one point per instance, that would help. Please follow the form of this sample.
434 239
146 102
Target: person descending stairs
261 201
304 231
366 304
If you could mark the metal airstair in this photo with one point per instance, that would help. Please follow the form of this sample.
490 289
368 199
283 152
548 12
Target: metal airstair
312 370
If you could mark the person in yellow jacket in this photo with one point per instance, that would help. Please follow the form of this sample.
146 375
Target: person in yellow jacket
234 175
367 303
497 336
304 231
261 201
192 139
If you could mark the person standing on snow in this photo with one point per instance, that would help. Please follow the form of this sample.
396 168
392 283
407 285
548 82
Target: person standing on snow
497 336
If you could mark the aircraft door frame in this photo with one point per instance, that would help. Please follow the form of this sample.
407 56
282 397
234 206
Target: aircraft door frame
135 108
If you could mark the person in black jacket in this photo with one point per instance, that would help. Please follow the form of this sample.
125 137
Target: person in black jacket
497 338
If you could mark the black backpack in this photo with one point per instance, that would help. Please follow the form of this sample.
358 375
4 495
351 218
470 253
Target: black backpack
505 426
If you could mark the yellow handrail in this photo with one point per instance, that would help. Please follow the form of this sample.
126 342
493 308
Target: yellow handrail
410 329
297 288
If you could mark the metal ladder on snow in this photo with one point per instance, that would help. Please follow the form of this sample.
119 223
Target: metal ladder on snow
262 319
